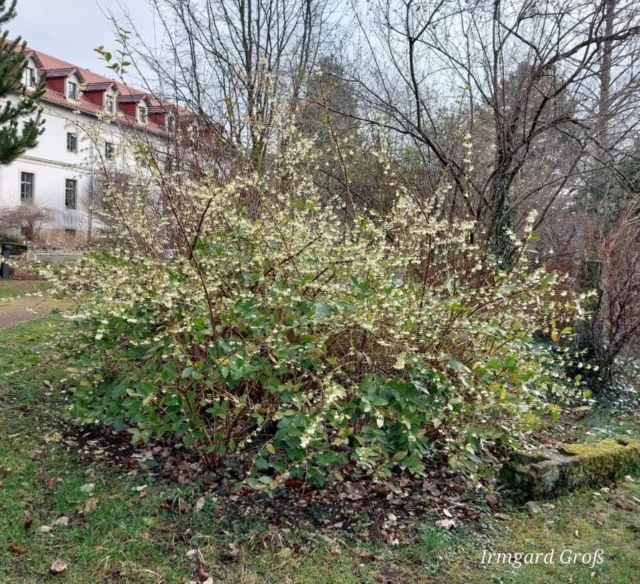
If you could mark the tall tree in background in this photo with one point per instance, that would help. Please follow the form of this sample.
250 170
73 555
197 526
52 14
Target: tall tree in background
529 70
235 62
15 140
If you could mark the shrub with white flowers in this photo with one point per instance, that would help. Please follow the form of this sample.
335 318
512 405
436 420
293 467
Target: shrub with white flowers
309 337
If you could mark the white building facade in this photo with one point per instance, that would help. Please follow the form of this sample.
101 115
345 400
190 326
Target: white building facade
92 124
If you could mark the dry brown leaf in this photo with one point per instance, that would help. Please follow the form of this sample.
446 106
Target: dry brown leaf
50 483
201 573
16 549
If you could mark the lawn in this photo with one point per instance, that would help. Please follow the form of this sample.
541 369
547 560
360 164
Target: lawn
109 523
12 288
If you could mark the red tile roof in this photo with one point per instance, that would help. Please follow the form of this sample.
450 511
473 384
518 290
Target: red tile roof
95 82
64 73
102 86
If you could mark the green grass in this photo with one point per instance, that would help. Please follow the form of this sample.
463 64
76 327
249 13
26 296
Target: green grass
12 288
130 539
581 523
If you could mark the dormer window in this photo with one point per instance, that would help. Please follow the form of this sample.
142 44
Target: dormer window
142 114
110 104
72 90
29 77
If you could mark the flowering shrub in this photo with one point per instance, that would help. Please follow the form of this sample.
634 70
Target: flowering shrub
307 336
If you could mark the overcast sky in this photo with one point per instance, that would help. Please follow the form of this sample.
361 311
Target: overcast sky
71 29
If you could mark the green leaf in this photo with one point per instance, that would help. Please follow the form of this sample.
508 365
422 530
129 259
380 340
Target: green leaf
322 310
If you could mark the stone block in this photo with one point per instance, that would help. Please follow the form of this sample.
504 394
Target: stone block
546 473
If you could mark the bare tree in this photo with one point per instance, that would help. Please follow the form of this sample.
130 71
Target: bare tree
234 62
523 79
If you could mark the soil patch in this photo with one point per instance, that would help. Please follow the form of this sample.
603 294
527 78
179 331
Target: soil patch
16 311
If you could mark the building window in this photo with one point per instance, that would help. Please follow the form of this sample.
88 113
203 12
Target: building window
110 104
108 150
142 114
72 142
70 232
29 77
26 187
72 90
71 193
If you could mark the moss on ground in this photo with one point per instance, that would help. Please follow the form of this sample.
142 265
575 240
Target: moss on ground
606 448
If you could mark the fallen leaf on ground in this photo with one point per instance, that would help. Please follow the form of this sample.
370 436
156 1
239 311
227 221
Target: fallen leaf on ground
16 549
90 506
446 523
167 506
201 574
62 521
199 504
233 554
58 567
390 538
51 482
502 516
491 500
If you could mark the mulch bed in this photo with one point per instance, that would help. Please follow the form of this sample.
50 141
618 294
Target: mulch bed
390 510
